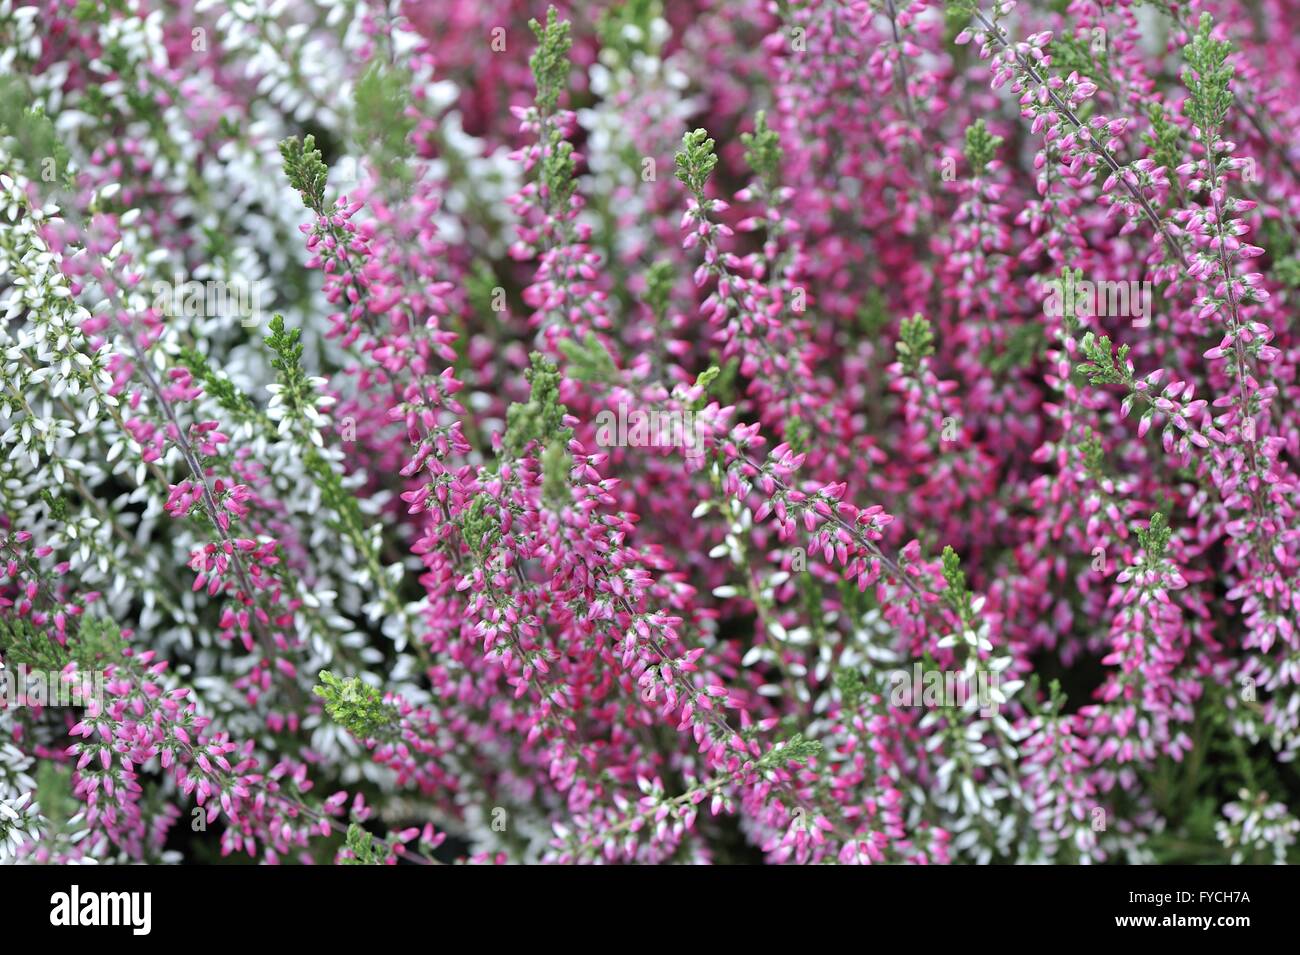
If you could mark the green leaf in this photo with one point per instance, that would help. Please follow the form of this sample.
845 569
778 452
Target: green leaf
541 418
1207 77
357 707
305 170
696 161
981 147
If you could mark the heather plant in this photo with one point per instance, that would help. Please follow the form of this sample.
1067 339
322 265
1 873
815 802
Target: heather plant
823 431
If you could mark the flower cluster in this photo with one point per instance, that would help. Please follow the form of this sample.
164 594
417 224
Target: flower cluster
949 511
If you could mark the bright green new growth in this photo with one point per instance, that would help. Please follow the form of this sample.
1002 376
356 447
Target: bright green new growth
1103 365
541 418
703 381
358 708
287 350
763 152
363 848
981 147
550 61
1207 77
1155 538
550 66
558 172
797 749
540 421
915 343
696 161
305 170
1069 305
955 578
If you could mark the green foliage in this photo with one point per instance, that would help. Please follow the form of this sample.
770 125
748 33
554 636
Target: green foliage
480 526
981 147
1207 77
848 680
1069 303
55 795
1054 705
218 387
1072 54
550 61
556 465
696 161
1094 455
723 386
100 11
286 348
1023 346
956 593
94 644
625 30
358 708
362 847
659 281
915 343
960 12
23 644
541 418
383 127
36 144
336 499
480 286
1102 364
703 381
97 643
558 172
1155 537
763 152
797 749
1287 272
550 65
873 315
588 360
305 170
1277 238
1164 140
57 505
